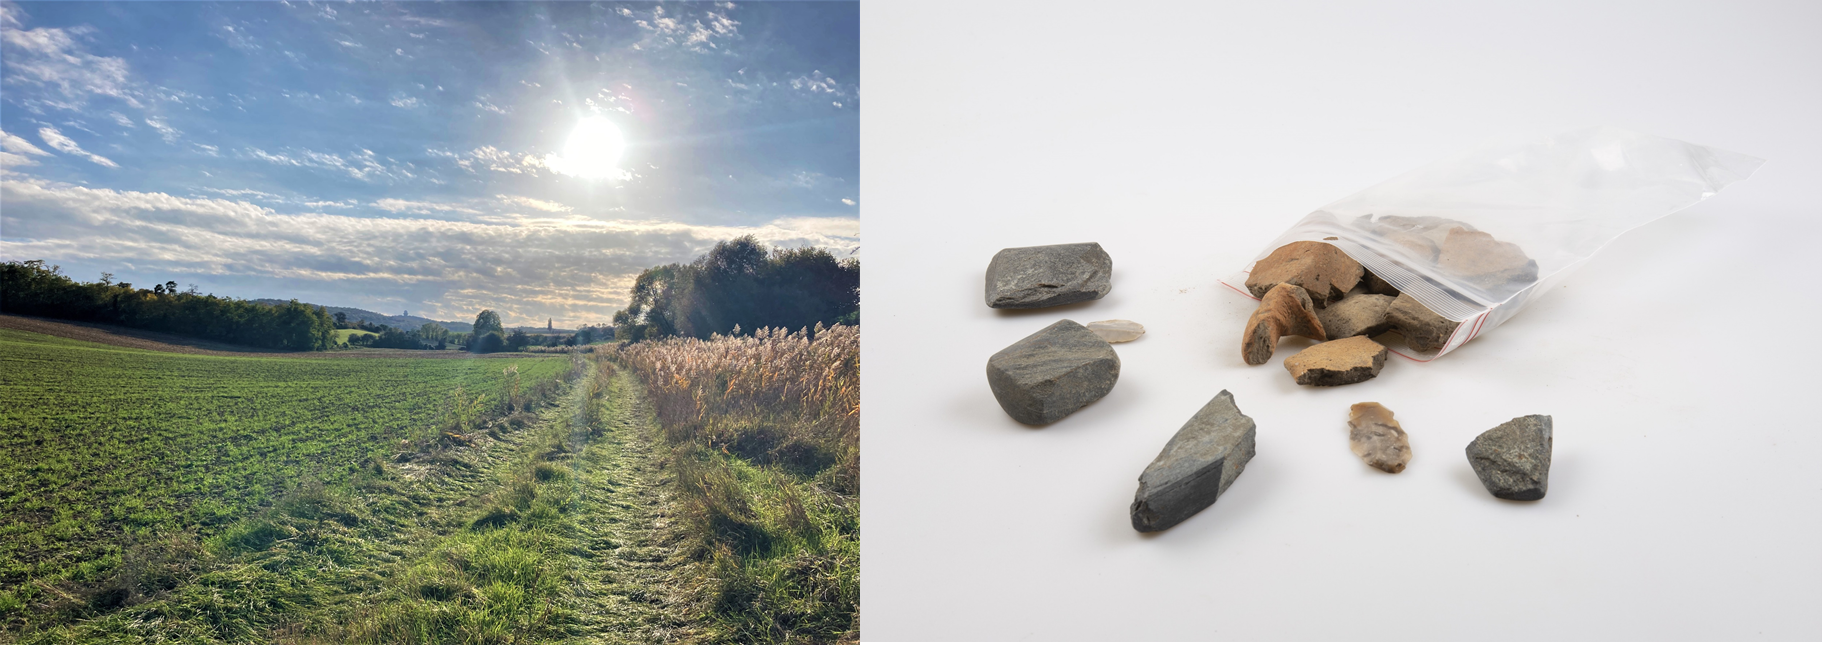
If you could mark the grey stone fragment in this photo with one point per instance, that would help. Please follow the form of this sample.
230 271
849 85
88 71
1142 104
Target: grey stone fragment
1513 459
1359 314
1052 373
1046 276
1197 466
1423 330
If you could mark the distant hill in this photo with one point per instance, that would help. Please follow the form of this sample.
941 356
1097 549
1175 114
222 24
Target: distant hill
397 322
409 322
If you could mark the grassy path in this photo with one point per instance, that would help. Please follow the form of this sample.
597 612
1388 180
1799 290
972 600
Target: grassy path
626 581
561 538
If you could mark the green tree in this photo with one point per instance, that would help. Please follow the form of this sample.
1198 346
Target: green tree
433 333
488 321
739 284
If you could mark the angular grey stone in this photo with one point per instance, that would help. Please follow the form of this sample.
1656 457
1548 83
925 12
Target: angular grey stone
1359 314
1046 276
1052 373
1423 330
1513 459
1197 466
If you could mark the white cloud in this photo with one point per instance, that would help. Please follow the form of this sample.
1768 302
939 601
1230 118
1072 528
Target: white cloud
167 132
407 102
10 160
817 82
244 192
551 207
698 33
491 158
362 165
490 107
14 143
64 144
570 269
55 58
122 119
422 208
238 38
847 201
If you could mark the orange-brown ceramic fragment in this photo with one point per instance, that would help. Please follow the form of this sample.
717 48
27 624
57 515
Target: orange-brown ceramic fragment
1286 310
1476 257
1337 362
1320 269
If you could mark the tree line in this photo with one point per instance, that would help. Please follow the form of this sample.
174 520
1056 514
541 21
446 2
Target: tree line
740 286
30 288
737 287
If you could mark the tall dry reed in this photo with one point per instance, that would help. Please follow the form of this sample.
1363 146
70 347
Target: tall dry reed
791 398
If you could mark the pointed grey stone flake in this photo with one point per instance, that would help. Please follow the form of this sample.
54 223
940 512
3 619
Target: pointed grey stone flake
1198 464
1052 373
1513 459
1029 277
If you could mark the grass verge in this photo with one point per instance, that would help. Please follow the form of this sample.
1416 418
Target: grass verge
761 435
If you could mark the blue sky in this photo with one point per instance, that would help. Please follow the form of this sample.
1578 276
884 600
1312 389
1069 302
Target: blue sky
415 156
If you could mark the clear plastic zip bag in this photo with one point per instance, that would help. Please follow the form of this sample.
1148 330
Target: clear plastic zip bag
1476 237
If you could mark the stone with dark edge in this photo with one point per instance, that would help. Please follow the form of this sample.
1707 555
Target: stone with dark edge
1359 314
1051 373
1513 459
1029 277
1196 466
1337 362
1423 330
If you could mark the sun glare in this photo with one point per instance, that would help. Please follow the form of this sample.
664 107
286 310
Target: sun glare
593 150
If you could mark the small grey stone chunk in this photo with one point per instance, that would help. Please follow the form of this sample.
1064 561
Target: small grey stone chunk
1051 373
1513 459
1359 314
1029 277
1196 466
1423 330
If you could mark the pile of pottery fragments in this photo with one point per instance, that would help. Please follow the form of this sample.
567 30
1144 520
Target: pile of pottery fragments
1308 289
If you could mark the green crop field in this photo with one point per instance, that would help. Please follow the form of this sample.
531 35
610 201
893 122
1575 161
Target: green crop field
102 447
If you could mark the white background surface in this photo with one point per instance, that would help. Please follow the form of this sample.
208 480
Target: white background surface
1680 364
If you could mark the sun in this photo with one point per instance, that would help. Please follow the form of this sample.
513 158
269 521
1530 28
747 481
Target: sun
593 150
